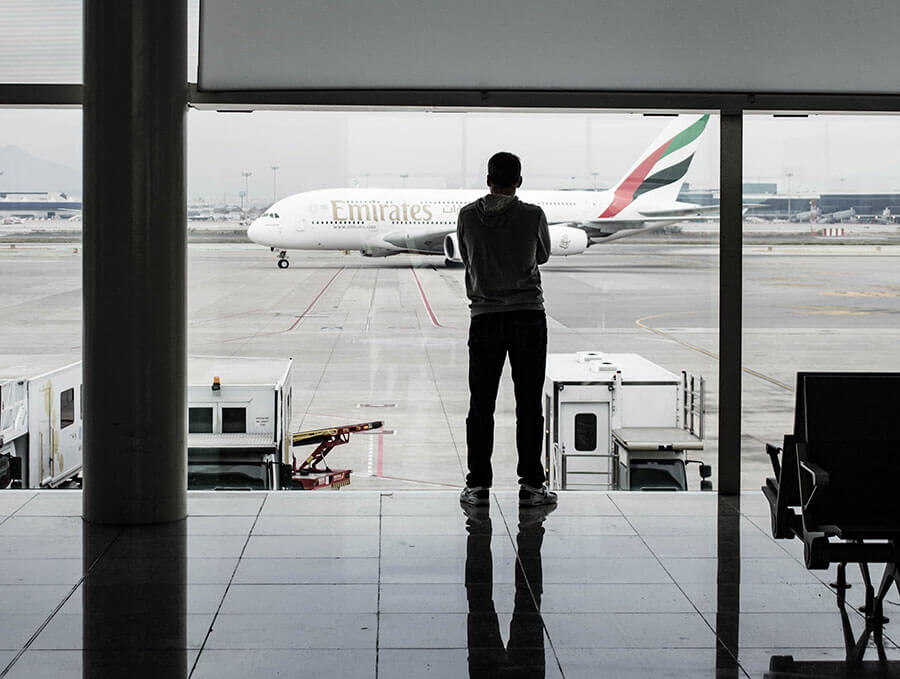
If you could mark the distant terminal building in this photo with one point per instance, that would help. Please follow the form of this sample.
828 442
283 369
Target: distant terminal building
764 202
37 204
763 188
864 204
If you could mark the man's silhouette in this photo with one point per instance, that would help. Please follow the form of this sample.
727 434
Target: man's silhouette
502 241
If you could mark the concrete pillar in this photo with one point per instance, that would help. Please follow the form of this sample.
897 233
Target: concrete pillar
135 95
730 300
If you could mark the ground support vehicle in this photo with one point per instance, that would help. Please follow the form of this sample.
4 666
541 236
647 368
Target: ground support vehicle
41 429
620 422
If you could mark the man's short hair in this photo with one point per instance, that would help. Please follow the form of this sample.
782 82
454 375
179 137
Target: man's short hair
504 169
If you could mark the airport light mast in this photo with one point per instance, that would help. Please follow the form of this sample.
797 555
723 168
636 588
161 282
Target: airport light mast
274 183
789 175
246 176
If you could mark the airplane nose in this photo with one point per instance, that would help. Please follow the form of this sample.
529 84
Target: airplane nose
254 231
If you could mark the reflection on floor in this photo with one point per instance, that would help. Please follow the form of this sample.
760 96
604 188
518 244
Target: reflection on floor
409 584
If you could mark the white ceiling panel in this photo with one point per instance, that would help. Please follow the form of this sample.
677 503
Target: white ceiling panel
802 46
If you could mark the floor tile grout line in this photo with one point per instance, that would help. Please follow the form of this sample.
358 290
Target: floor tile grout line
227 587
59 606
675 582
519 564
855 609
18 509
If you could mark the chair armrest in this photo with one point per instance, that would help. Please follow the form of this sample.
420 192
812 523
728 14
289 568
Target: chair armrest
774 451
819 476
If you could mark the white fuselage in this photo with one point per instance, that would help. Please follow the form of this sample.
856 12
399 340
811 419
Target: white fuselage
388 220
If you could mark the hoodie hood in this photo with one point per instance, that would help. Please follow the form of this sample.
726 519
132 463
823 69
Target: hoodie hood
493 209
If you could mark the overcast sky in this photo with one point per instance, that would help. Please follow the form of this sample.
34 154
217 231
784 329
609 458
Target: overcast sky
558 150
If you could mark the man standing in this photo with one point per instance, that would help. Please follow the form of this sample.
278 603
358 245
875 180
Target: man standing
502 241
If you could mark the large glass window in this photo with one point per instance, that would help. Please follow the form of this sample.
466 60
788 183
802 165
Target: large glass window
820 259
40 240
378 336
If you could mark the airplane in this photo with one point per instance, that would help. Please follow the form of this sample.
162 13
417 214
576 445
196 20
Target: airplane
384 222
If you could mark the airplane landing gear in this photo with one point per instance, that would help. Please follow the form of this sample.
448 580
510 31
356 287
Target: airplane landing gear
283 262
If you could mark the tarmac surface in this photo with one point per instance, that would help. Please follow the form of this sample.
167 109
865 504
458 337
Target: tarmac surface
385 339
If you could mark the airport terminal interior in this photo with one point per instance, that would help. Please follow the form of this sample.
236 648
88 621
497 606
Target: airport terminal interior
721 357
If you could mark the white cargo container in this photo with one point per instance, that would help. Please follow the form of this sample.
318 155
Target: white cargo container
239 418
41 428
619 421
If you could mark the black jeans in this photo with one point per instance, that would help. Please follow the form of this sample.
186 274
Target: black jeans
523 336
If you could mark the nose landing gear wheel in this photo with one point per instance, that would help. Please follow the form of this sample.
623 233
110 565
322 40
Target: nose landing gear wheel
283 264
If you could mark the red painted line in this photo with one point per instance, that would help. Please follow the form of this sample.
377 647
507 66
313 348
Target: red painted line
434 319
379 470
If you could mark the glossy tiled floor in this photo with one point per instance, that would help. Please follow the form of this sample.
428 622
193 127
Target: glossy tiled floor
407 584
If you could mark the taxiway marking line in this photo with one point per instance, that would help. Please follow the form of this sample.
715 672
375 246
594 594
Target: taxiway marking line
313 303
296 322
434 320
379 471
755 373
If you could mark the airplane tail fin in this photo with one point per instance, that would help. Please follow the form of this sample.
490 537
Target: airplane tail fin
659 173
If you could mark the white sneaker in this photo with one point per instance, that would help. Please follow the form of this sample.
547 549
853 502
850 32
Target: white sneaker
529 496
478 496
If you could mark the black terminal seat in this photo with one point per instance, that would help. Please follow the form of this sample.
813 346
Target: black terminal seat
836 481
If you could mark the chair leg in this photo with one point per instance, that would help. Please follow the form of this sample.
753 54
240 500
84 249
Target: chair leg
873 613
840 585
890 577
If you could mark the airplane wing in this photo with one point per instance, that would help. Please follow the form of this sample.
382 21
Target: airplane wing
682 212
626 232
427 243
644 221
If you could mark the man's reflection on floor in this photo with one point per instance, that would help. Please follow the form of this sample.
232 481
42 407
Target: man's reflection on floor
523 656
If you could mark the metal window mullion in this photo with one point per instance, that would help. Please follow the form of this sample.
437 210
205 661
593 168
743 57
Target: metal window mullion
730 291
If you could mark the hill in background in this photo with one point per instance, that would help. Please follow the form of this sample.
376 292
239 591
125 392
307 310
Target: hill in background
25 172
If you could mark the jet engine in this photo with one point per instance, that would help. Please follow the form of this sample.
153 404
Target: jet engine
567 240
451 249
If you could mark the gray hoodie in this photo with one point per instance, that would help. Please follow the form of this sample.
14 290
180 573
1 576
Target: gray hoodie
501 241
